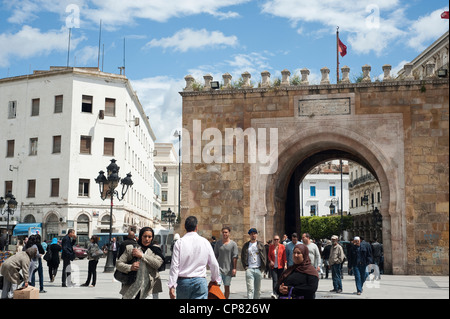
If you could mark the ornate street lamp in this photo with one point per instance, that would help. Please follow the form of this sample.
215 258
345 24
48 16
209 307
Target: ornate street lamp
107 187
169 216
11 205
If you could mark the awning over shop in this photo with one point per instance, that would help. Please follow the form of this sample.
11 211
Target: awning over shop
22 229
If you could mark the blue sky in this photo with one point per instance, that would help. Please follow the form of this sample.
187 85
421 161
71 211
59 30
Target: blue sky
168 39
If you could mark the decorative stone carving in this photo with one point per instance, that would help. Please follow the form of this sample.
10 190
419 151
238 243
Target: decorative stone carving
189 83
366 73
345 74
285 78
265 79
305 73
208 78
246 77
387 72
325 75
227 80
408 67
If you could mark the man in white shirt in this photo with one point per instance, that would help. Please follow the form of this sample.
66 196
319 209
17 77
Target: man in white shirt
190 255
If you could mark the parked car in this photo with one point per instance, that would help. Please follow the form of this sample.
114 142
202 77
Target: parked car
80 252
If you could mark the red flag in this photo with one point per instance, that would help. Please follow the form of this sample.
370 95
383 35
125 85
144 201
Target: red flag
342 48
445 15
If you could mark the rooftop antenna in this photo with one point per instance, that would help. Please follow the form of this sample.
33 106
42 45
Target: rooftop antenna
122 68
68 48
124 56
99 41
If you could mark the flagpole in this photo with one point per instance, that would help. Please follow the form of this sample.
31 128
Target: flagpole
337 55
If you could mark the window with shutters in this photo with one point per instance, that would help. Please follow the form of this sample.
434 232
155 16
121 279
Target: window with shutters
56 144
35 107
54 192
83 187
108 146
31 188
85 144
86 104
12 109
8 187
33 145
10 148
110 107
58 104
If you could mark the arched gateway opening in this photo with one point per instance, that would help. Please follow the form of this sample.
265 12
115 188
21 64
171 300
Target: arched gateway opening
293 210
299 153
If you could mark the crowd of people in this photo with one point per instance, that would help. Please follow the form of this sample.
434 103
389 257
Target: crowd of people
295 265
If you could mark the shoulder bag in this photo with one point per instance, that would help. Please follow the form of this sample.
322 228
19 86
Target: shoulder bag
127 278
48 255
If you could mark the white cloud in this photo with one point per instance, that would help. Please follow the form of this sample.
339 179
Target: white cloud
427 29
86 55
360 21
162 103
31 42
188 39
115 13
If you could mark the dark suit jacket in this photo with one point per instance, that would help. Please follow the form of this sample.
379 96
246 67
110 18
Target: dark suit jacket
67 248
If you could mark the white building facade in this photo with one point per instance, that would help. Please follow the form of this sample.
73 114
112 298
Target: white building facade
319 191
58 129
166 162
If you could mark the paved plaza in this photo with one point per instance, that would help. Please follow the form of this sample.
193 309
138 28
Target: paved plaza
389 287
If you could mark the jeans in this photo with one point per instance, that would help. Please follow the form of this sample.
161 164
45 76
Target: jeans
336 276
360 274
253 281
192 288
40 272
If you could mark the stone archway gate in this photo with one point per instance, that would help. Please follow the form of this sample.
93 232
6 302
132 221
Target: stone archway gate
397 129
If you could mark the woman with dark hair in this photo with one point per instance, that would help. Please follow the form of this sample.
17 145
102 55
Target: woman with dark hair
149 260
93 253
54 248
299 281
36 263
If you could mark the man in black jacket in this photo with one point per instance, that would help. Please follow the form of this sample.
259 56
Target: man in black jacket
359 257
67 253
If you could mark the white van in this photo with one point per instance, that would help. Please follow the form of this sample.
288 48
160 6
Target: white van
164 238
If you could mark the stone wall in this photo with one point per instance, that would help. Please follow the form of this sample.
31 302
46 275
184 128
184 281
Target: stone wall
398 129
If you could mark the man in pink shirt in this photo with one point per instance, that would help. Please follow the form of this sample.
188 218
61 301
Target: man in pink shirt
190 255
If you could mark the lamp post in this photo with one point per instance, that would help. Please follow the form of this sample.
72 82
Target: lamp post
11 202
170 216
178 135
111 182
377 220
335 204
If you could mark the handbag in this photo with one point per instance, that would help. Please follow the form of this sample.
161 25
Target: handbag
48 255
289 296
97 253
126 278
